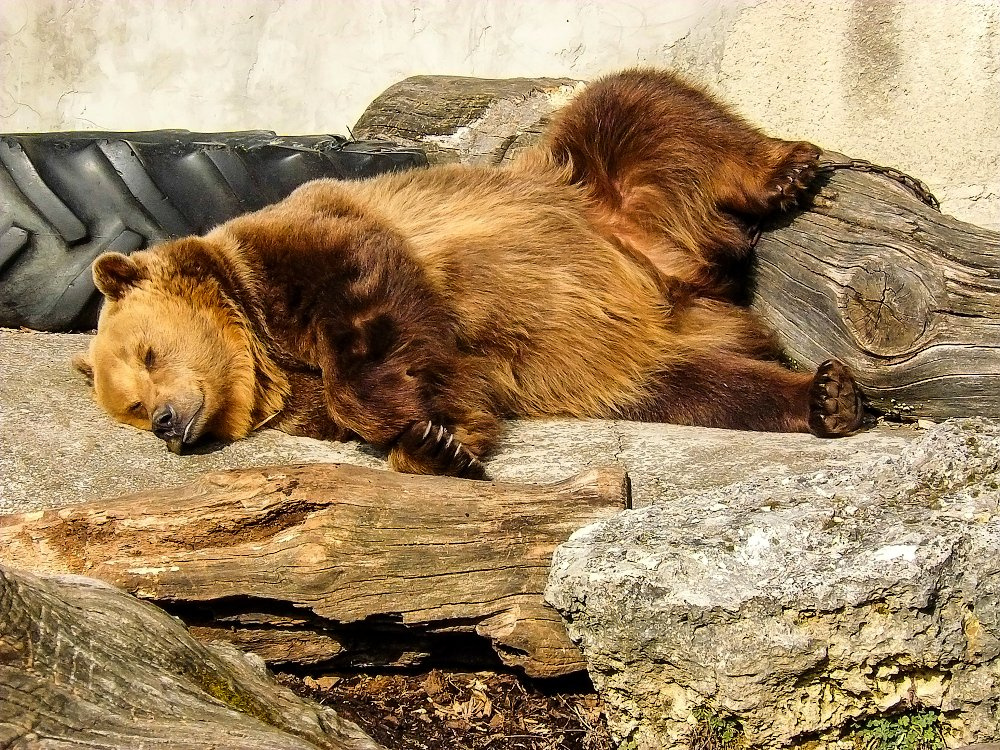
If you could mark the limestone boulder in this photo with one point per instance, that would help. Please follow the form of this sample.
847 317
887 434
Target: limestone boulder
799 606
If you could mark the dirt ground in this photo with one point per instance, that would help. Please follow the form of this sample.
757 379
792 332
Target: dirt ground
464 711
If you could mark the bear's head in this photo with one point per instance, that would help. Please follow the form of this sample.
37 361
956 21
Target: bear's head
172 353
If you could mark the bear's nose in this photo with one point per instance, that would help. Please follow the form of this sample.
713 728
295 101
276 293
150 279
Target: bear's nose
164 421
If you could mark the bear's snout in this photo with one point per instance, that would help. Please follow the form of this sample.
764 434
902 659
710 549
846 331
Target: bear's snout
169 426
165 420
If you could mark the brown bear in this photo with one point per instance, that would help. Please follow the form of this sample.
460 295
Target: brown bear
594 277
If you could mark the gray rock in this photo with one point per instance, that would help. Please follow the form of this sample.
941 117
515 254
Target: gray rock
58 448
800 604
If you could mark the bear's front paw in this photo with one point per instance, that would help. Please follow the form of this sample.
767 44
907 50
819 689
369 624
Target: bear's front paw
427 448
792 177
835 404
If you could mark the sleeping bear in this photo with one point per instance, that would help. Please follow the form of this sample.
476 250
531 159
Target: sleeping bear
594 277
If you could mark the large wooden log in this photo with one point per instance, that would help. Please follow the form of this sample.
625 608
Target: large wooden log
338 565
906 296
84 665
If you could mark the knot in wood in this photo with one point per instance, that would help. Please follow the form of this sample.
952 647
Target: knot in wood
887 308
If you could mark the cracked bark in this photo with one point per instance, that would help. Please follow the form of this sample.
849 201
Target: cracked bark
338 565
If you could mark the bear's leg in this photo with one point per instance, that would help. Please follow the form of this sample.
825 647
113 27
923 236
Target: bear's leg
423 437
647 141
734 392
455 443
392 371
410 400
836 406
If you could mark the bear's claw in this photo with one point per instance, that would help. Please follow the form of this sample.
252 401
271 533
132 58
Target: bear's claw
793 177
435 449
836 407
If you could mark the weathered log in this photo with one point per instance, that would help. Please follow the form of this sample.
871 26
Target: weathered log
337 565
84 665
908 297
459 119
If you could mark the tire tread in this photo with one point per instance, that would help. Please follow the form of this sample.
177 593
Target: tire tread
67 197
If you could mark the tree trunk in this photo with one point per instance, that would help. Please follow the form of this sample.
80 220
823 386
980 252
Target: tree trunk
908 297
338 565
83 665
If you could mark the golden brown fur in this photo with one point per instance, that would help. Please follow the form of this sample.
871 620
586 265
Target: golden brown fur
414 310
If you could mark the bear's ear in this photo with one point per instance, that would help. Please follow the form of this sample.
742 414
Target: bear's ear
83 364
115 274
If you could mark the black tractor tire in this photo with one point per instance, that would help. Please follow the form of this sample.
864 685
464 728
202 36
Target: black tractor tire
67 197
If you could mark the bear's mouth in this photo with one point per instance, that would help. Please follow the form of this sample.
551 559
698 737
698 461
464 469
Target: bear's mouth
175 445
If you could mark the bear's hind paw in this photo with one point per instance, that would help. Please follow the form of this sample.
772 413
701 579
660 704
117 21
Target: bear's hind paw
836 407
792 177
428 448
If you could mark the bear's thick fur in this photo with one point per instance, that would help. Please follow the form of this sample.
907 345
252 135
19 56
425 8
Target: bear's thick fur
595 277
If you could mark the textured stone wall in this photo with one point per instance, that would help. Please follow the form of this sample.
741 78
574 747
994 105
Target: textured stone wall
911 84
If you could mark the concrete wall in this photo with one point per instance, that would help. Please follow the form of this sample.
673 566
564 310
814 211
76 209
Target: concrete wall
909 83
